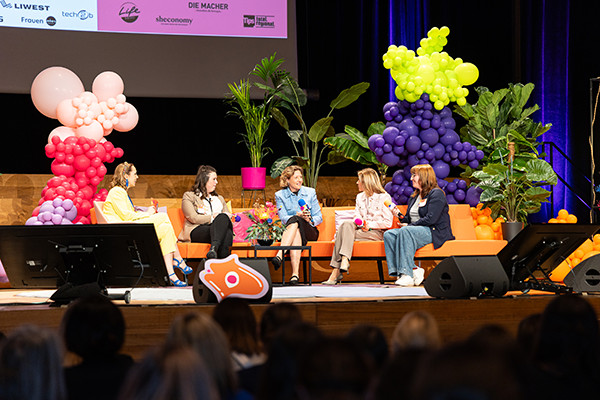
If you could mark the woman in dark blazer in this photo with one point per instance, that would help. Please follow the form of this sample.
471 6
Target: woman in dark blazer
426 221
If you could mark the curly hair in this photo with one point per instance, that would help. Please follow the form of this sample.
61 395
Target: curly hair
202 176
120 176
287 174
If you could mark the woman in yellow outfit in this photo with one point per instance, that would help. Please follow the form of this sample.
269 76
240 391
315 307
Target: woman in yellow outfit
118 207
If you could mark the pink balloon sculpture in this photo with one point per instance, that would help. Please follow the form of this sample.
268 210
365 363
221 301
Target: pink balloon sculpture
79 147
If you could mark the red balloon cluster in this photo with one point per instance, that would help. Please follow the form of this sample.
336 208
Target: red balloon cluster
79 168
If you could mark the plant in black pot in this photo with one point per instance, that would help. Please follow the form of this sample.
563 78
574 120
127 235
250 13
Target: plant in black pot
266 226
513 175
513 188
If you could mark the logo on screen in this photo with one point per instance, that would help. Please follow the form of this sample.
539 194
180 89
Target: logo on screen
208 7
249 21
82 14
34 7
174 21
5 4
51 21
129 12
259 21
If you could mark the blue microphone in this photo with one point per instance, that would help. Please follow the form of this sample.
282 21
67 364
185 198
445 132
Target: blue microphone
304 206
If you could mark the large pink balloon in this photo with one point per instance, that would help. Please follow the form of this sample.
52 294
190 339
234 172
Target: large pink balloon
53 85
127 121
62 132
67 113
107 85
92 131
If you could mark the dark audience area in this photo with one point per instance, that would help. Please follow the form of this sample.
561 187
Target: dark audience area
233 356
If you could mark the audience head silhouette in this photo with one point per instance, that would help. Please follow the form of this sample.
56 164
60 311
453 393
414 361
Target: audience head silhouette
31 365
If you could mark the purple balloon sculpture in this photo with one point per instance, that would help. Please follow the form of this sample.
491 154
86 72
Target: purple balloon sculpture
417 133
54 212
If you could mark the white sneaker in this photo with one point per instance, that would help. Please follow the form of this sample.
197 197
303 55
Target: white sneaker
418 275
405 280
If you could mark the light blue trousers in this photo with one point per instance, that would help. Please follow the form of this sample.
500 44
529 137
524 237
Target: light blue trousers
401 245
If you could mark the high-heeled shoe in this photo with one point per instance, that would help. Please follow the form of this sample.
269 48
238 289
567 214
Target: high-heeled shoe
212 253
186 269
176 282
276 262
336 281
344 265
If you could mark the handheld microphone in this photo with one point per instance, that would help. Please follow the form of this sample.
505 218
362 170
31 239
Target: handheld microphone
304 207
392 206
359 222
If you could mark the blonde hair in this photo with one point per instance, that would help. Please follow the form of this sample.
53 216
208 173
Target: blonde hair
427 179
369 178
416 330
120 176
287 174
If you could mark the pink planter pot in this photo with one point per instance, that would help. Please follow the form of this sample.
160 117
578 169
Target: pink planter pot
253 178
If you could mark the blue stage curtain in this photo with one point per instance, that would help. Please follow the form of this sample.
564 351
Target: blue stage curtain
546 63
408 25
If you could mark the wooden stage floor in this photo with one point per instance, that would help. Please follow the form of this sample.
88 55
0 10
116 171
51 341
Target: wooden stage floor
148 322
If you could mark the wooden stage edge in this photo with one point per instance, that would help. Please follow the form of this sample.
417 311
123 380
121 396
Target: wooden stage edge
147 324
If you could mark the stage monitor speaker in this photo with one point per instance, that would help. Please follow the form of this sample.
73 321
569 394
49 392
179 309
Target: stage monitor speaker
585 277
467 276
203 295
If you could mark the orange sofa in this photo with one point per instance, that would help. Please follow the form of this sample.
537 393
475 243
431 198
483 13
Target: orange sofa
465 244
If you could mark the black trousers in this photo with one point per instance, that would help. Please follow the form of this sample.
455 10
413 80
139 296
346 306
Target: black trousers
219 234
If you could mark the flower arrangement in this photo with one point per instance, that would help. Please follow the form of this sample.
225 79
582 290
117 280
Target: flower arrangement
265 223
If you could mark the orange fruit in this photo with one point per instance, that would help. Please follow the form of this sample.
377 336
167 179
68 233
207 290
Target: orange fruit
495 226
571 219
597 238
596 247
578 253
484 232
500 219
575 261
563 214
487 211
552 221
475 222
479 206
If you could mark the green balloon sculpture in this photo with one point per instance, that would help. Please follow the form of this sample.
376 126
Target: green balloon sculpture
430 71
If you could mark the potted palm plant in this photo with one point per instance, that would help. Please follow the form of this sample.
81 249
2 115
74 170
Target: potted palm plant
256 116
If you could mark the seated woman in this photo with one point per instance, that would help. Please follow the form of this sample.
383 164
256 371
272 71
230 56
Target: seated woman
374 216
118 207
427 221
206 215
301 221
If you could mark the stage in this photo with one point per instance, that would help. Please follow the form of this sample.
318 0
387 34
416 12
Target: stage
333 309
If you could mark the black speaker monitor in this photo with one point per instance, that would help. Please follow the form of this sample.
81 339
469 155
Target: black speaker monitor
530 257
82 258
467 276
585 277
